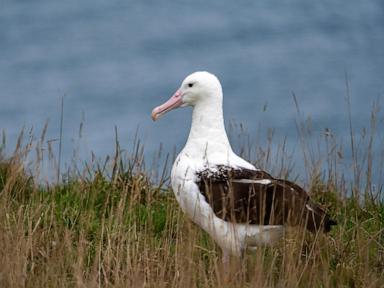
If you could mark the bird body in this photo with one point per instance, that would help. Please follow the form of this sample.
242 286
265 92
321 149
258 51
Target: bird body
238 205
231 237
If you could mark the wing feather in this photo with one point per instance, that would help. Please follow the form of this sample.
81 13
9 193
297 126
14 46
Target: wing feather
255 197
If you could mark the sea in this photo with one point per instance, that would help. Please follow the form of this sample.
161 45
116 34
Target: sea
295 69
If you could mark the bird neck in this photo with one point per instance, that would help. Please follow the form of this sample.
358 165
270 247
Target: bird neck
207 135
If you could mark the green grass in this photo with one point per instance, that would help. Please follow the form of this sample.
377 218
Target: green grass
119 229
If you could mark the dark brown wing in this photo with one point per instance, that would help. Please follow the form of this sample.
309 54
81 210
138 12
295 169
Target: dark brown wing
255 197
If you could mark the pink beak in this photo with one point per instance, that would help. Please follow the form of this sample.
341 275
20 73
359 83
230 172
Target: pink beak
173 102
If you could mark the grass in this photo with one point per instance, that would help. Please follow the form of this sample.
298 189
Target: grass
114 226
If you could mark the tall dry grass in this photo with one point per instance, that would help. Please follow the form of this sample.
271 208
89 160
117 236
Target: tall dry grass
111 225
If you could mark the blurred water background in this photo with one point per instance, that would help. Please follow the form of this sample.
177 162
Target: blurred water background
113 61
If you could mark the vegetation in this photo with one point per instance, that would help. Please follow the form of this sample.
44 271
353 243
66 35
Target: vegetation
115 226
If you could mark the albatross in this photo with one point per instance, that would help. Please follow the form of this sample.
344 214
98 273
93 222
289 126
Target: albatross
238 205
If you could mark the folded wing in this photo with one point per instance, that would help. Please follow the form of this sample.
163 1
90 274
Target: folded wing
255 197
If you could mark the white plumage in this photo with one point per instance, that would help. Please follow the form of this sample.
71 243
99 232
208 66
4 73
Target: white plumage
207 147
239 205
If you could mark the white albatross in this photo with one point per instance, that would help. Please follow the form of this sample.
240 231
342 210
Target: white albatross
238 205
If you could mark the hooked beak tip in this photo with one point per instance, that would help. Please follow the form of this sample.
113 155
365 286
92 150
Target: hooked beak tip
154 115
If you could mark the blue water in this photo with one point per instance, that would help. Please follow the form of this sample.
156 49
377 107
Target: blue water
113 61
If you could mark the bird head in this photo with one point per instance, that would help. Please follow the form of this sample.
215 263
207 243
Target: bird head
197 88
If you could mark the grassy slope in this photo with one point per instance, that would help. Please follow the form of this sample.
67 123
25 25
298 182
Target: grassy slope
121 231
125 233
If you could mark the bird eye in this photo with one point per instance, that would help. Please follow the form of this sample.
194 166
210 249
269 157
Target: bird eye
190 85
